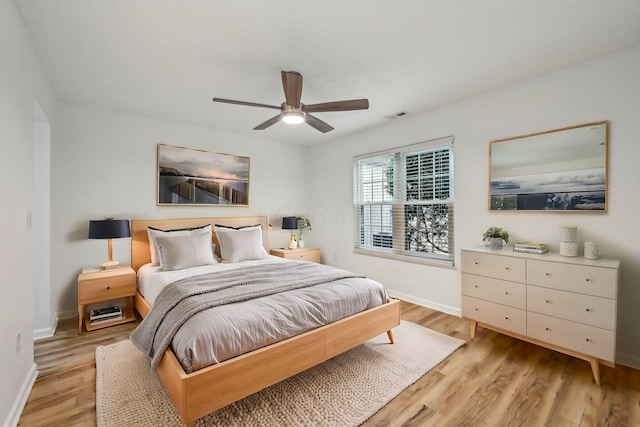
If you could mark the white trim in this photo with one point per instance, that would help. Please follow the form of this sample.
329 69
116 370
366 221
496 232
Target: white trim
64 315
627 359
454 311
434 261
46 332
445 141
21 398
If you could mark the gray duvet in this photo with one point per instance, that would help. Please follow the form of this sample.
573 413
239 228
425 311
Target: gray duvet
246 320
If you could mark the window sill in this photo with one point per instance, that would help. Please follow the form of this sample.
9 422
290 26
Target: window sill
405 258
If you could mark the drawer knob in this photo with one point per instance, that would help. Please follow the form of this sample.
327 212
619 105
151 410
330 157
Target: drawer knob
506 293
506 318
506 268
588 280
588 340
588 309
546 329
108 287
476 286
547 301
475 309
547 274
476 263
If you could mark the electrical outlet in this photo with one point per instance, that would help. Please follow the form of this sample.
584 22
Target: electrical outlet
18 342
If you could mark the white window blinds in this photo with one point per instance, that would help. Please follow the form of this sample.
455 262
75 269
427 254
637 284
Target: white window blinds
403 202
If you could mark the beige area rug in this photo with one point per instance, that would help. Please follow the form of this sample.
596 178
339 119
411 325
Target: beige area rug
343 391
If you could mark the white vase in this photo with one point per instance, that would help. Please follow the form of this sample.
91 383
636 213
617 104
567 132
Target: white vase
301 243
495 242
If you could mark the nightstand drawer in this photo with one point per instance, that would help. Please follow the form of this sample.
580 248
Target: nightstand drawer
302 254
96 290
313 256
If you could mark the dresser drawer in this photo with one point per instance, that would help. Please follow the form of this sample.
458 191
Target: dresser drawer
585 339
587 309
497 266
495 290
498 315
596 281
108 288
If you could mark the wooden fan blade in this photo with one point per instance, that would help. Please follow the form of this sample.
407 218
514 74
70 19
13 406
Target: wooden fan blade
249 104
354 104
318 124
271 121
292 85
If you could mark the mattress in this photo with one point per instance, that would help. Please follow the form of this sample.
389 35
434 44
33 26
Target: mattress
223 332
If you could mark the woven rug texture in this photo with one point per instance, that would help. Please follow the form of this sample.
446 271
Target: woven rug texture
343 391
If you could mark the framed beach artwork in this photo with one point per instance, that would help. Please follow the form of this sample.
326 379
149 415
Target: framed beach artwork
191 177
562 170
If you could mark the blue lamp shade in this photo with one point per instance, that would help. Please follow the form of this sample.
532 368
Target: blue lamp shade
289 223
109 229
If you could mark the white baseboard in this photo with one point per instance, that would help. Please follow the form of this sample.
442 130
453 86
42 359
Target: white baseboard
63 315
39 334
629 360
454 311
21 399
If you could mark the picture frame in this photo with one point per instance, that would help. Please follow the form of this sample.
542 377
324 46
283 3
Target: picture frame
560 170
194 177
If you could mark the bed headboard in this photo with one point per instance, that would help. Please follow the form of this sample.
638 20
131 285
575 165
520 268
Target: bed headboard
141 255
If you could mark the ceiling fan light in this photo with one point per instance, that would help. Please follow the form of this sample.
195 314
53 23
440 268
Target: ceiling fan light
293 117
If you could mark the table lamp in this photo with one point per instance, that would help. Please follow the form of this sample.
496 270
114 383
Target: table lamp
291 223
109 229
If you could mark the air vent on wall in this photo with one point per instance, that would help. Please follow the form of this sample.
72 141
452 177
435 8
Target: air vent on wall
396 115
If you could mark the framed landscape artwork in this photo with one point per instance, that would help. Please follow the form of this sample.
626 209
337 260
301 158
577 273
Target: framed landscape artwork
190 177
562 170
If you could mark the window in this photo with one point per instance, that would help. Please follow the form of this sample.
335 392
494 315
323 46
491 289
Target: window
403 202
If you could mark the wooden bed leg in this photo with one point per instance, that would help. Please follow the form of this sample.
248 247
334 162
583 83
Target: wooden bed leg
595 367
390 335
473 326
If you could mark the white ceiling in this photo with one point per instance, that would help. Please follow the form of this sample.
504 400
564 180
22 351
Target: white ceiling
168 58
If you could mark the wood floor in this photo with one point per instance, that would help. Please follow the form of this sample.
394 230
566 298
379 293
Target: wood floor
493 380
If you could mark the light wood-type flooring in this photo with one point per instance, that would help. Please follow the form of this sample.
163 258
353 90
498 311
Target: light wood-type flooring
493 380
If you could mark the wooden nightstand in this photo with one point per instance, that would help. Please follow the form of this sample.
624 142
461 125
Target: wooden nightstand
304 254
102 286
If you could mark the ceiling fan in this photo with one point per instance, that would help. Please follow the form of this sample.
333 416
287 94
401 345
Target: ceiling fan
292 111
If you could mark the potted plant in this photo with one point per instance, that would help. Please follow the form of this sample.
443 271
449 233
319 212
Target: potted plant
495 236
303 224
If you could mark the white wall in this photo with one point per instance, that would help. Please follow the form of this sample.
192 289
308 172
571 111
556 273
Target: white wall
105 165
604 89
22 82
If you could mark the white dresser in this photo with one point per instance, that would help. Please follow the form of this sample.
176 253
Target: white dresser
566 304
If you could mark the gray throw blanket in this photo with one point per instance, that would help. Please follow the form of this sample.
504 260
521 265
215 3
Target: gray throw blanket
182 299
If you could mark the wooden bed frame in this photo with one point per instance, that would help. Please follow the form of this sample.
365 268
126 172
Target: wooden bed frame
202 392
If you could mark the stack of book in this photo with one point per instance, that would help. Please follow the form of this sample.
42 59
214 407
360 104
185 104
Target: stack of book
530 247
104 314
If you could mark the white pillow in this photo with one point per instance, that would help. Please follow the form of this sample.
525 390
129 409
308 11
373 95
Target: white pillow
240 244
178 252
155 232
